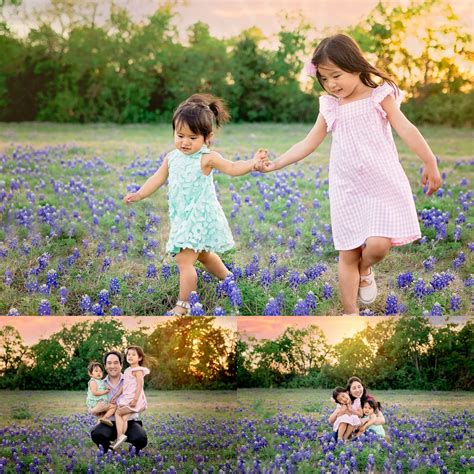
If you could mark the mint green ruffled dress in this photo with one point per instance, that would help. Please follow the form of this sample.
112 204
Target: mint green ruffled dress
197 220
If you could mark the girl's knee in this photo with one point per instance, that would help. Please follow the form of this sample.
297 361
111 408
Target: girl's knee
379 246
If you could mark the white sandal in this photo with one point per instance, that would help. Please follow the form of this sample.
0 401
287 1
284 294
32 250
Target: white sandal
367 294
181 304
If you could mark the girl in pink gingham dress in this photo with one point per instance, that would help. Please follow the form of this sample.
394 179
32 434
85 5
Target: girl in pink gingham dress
372 206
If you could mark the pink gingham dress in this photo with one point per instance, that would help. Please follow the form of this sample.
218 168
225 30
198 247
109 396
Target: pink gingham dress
353 420
369 192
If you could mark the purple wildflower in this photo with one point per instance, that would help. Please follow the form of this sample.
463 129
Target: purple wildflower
86 303
271 308
436 310
116 311
300 308
391 305
104 298
44 308
405 279
114 286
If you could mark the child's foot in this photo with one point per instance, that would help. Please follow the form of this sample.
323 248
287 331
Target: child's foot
181 309
105 421
367 288
120 440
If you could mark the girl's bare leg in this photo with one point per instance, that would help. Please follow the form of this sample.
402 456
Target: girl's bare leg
214 264
348 431
110 411
375 250
187 276
122 413
349 278
341 430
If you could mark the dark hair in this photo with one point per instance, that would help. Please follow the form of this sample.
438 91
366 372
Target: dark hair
202 113
346 54
139 351
117 353
337 391
374 404
92 366
364 395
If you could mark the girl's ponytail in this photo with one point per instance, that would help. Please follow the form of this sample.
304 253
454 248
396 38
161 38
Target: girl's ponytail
219 110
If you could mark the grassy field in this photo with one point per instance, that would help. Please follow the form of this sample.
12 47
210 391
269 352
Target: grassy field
247 431
62 197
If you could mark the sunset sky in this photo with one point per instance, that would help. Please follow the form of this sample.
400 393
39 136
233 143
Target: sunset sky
334 328
35 328
229 17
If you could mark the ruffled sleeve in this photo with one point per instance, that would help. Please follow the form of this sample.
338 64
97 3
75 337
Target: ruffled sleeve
145 370
328 107
382 91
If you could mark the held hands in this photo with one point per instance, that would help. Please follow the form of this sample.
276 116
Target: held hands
263 163
133 402
431 177
132 197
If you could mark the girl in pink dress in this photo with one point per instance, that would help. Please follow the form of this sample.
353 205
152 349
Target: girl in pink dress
372 206
346 417
131 398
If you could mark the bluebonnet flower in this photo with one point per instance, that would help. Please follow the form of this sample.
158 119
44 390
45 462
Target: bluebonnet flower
13 312
100 249
404 279
294 280
114 286
116 311
429 263
193 298
207 277
8 277
300 308
271 308
273 259
441 280
310 301
457 233
165 271
218 311
391 305
151 271
44 308
327 291
455 302
459 260
44 289
436 310
315 271
419 290
104 296
265 278
366 312
106 263
63 294
197 309
235 297
97 309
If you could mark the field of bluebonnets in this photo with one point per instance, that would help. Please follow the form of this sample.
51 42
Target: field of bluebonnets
68 244
255 431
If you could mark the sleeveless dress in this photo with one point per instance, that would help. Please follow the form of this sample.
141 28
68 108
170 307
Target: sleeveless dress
197 220
377 429
93 400
369 193
353 420
129 387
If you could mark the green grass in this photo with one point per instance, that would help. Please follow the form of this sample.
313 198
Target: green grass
22 406
118 146
268 402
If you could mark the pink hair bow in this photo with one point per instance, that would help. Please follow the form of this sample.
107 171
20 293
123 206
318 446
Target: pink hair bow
310 68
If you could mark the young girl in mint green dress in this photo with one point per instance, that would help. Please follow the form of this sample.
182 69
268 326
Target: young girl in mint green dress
198 226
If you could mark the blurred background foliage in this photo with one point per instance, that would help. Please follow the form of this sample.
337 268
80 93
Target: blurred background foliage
182 353
70 67
400 353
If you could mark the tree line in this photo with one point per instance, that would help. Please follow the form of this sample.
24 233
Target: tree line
71 67
182 353
400 353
